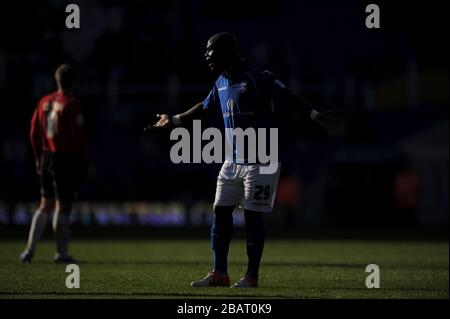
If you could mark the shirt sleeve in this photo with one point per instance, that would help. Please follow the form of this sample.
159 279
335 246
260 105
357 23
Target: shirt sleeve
212 99
34 134
270 86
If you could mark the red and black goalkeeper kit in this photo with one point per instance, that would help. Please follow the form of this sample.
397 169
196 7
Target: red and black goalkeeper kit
58 144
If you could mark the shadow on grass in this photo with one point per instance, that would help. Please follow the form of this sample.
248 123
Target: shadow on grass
145 294
175 295
270 264
235 263
381 290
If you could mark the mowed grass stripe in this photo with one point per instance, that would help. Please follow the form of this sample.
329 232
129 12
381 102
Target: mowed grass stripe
290 269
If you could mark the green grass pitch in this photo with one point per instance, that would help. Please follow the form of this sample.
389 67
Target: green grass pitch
290 269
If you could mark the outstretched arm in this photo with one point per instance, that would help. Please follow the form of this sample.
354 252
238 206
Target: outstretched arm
297 104
36 139
166 121
272 88
327 119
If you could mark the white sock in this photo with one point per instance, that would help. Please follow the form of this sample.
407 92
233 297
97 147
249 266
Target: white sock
38 224
61 228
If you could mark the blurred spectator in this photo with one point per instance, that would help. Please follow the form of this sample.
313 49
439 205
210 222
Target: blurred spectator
289 198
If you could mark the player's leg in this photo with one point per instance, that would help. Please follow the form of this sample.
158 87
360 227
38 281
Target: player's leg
221 234
38 224
229 192
46 206
65 184
255 237
260 191
39 221
61 228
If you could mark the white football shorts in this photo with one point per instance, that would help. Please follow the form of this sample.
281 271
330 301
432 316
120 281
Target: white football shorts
244 185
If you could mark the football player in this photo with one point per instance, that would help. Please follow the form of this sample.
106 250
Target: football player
61 160
247 95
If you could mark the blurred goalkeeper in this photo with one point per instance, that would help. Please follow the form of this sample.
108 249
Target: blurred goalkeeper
247 96
61 160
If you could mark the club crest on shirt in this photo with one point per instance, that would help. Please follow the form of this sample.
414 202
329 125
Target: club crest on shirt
53 107
230 105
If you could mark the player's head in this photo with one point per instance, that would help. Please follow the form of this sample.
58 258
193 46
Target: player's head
222 50
66 76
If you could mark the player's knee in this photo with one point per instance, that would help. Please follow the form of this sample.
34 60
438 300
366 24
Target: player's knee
47 205
223 221
223 210
60 220
61 215
223 216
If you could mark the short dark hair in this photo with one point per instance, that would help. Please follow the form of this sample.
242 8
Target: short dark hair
225 41
66 75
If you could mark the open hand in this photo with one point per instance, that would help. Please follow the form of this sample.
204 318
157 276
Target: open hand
334 125
165 121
